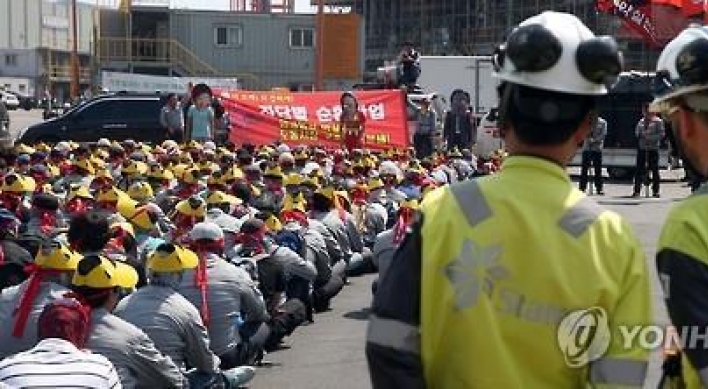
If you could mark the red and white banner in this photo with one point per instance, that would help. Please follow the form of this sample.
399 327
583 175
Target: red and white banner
312 118
636 15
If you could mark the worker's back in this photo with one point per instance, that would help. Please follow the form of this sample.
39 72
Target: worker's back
505 263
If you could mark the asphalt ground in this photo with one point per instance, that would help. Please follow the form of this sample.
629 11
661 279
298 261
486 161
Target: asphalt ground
330 353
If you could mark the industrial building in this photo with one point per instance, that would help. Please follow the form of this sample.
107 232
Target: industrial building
264 44
35 45
474 27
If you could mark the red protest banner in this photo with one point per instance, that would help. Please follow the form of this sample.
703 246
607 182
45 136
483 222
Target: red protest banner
636 15
313 118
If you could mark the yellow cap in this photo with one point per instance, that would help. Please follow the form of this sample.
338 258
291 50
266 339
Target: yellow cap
313 182
301 154
410 204
140 191
193 206
273 223
170 258
125 226
207 166
23 149
80 192
232 174
219 197
293 179
134 168
56 255
86 165
294 203
103 173
160 173
110 195
327 192
375 183
99 272
139 215
190 176
273 172
17 183
43 147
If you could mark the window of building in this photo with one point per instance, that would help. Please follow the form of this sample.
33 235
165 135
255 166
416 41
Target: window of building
228 36
10 59
302 38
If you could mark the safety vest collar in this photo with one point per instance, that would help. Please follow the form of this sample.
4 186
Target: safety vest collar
518 163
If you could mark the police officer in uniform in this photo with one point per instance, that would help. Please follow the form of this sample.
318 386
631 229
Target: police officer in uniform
682 259
476 293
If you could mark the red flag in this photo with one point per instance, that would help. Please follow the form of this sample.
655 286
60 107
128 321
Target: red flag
693 7
636 15
606 6
673 3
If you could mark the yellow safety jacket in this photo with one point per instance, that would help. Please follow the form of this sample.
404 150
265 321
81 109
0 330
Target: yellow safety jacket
504 260
682 261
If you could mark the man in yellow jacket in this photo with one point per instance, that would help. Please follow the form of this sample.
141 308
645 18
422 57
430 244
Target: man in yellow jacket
500 277
682 259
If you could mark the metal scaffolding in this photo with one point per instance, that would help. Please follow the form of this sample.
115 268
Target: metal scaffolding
473 27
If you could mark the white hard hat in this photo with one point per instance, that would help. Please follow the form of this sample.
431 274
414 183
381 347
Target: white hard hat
555 51
283 148
310 167
682 67
63 147
390 168
103 142
209 145
286 157
206 231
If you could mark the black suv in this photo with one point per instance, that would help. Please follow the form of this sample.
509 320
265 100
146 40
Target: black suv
116 117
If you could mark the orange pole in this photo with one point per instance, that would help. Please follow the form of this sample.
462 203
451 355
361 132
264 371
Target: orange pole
74 87
319 47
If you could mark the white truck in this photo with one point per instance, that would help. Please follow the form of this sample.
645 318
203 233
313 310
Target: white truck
473 74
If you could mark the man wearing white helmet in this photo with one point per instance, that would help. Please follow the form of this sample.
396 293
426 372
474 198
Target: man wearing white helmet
477 293
682 260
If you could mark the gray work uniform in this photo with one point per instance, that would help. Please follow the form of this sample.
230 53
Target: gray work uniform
293 263
317 254
9 301
650 133
172 117
356 242
173 323
384 250
596 137
231 295
332 244
138 363
334 224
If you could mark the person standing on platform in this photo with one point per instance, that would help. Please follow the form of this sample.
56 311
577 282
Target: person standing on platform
423 138
351 123
200 119
171 118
